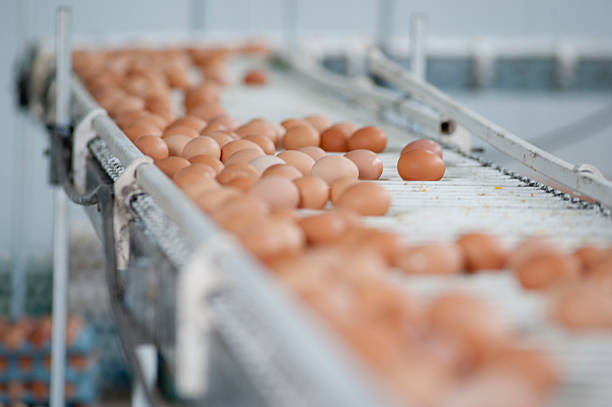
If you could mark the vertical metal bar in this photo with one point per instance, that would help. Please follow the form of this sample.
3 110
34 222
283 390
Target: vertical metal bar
291 24
197 9
147 358
386 11
60 215
417 46
19 245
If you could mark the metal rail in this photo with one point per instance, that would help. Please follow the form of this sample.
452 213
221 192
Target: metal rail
581 178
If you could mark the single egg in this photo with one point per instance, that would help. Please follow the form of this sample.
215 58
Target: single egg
369 164
278 192
205 93
222 122
302 161
262 141
170 165
243 156
314 192
543 270
255 77
271 238
300 136
323 227
335 138
264 162
221 137
318 121
420 165
207 111
588 256
282 170
235 171
431 258
423 144
482 251
209 200
287 124
176 143
312 151
201 145
193 173
140 117
368 138
152 146
212 162
365 198
194 189
180 130
243 183
189 121
124 105
333 167
136 131
237 145
337 188
258 127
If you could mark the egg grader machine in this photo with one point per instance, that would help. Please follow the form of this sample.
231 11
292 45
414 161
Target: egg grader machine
189 301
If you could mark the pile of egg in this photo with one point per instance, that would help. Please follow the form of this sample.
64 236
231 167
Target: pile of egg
442 353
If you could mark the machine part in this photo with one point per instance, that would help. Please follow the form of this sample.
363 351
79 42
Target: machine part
418 59
529 155
63 49
147 359
83 134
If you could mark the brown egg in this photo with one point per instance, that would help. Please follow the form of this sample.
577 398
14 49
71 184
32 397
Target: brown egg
420 165
278 192
365 198
209 200
287 124
180 130
201 145
262 141
338 187
237 145
158 103
282 170
189 121
300 136
323 227
314 152
197 188
302 161
432 258
264 162
171 165
140 117
243 183
271 238
384 242
369 164
212 162
222 122
471 320
333 167
235 171
152 146
207 111
258 127
176 143
221 137
136 131
589 256
238 205
319 122
124 105
243 156
423 144
204 94
582 307
482 252
543 270
314 192
368 138
193 173
335 138
255 77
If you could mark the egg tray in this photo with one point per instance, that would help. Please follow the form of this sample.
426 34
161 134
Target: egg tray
286 358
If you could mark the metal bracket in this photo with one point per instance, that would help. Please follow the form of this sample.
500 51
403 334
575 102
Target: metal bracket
197 282
124 188
83 133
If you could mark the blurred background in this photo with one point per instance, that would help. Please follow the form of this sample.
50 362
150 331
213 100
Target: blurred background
541 93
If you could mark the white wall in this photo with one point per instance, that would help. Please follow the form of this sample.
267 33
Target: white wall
543 18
